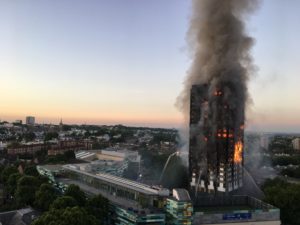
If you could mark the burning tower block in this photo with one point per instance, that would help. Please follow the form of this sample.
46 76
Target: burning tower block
216 140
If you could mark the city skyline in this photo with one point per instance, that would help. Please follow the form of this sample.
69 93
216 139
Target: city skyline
84 64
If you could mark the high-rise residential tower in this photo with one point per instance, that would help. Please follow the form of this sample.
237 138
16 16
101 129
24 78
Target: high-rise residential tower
30 120
216 141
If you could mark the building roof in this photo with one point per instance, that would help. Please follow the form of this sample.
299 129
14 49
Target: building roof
181 194
18 217
84 154
52 168
139 187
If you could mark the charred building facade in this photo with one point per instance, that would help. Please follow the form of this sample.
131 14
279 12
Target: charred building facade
216 140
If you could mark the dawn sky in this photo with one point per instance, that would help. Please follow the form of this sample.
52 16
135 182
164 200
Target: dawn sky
124 61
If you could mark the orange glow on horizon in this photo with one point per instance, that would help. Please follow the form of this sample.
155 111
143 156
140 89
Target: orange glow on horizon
102 119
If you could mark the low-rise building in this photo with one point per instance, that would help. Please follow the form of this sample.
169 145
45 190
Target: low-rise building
3 145
18 217
69 145
113 161
264 141
234 210
296 144
179 208
131 216
26 149
134 203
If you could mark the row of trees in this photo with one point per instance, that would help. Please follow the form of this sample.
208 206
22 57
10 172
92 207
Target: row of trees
282 144
30 189
286 160
164 137
291 172
285 196
71 208
19 187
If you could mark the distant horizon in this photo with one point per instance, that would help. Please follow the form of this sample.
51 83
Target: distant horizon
179 126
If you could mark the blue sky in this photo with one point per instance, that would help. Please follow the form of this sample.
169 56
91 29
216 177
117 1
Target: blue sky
124 61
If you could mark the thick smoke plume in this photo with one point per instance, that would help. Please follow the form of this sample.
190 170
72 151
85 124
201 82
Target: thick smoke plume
220 51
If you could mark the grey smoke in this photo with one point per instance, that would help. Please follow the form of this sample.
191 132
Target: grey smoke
220 51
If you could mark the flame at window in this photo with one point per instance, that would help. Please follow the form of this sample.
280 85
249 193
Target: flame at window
238 150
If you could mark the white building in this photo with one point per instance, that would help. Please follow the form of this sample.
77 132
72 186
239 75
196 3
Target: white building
2 145
264 141
296 143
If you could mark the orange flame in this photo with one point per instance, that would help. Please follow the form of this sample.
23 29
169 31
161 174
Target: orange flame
238 150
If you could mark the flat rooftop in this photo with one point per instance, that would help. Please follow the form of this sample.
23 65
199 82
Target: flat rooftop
233 203
139 187
234 209
52 168
124 203
94 191
223 209
181 194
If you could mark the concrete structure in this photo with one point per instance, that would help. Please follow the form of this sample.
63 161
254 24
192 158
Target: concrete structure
18 217
114 154
264 141
115 162
53 148
30 148
133 193
69 145
216 142
243 210
296 144
85 155
133 217
3 145
134 203
30 120
179 208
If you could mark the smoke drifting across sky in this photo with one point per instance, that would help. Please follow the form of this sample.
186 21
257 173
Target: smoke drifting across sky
220 51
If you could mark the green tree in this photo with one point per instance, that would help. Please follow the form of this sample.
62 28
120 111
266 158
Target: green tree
63 202
31 171
66 127
30 136
1 169
75 192
12 182
6 172
285 196
50 135
98 206
67 216
26 188
45 196
42 179
69 155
